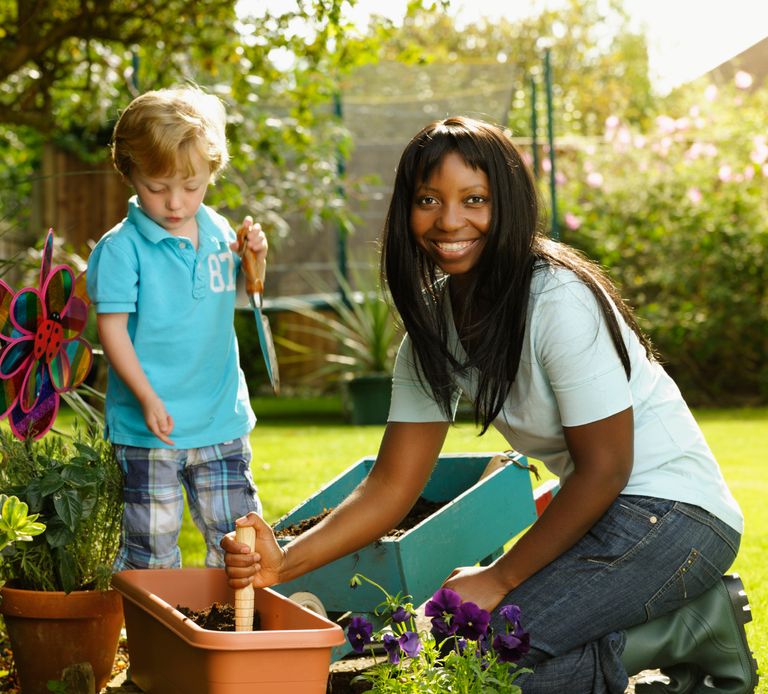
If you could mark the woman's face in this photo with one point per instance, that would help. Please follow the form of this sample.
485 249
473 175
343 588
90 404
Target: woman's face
451 214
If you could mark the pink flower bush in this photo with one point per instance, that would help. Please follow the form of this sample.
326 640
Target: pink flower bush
572 221
681 224
743 80
759 154
595 179
42 353
695 195
725 173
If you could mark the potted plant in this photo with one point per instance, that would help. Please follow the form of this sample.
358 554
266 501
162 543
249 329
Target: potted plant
359 321
56 598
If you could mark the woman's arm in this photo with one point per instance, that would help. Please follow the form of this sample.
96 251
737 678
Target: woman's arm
407 454
119 350
602 454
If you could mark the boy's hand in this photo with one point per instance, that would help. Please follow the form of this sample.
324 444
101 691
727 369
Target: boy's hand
255 238
158 421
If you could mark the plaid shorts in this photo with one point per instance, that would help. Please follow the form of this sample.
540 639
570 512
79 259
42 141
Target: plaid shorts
219 487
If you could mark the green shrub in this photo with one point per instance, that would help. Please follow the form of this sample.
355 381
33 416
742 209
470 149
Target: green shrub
679 217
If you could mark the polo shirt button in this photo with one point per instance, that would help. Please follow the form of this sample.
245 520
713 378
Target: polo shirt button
182 245
653 519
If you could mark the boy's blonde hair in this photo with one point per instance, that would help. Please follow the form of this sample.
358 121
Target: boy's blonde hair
159 131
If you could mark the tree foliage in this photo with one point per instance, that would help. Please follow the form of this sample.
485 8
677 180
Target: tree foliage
67 68
599 63
66 63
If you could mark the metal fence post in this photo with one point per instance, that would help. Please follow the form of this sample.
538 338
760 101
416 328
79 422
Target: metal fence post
554 229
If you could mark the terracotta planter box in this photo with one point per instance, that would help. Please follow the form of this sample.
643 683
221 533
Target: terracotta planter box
170 653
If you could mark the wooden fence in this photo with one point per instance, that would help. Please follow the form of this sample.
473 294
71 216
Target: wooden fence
79 200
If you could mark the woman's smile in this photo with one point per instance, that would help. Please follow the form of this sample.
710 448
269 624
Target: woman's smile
451 214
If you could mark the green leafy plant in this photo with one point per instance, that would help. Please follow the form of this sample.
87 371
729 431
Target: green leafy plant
459 654
74 487
358 321
16 523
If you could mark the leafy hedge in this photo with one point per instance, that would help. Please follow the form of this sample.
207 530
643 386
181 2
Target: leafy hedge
679 217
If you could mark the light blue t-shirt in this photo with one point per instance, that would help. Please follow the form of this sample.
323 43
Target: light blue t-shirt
181 307
570 374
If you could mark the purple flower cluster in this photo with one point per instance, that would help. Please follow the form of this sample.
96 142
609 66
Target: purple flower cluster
451 618
407 643
516 642
359 633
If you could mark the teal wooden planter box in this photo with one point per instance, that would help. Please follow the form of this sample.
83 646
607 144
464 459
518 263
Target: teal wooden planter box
475 523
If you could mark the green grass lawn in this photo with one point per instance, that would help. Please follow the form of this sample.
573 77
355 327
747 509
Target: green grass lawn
298 446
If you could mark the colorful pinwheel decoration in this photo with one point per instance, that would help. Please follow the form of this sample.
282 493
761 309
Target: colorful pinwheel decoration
42 353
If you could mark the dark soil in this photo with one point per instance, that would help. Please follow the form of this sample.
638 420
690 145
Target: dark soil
421 510
217 617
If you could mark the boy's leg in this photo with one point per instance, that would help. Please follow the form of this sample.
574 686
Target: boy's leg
644 558
220 488
154 504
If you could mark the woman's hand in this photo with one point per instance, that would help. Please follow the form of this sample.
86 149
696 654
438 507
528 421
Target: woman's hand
260 567
479 584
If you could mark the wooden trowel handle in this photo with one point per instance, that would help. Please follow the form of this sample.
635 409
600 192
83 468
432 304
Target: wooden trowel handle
244 596
255 268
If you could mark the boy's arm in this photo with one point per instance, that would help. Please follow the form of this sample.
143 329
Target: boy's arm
119 350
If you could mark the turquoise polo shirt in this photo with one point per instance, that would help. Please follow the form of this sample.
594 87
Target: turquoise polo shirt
180 305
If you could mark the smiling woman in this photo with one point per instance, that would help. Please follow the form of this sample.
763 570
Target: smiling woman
536 335
451 214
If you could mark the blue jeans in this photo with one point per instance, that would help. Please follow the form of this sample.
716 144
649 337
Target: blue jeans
645 557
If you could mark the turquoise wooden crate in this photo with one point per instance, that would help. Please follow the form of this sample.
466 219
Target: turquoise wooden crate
473 526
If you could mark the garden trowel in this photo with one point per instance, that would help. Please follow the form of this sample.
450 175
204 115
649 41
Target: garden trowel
255 271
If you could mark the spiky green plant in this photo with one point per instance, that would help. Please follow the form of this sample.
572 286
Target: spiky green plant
358 320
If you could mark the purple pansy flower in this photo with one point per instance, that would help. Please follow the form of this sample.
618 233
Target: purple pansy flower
359 633
410 643
484 642
511 647
442 608
392 647
400 615
471 621
511 614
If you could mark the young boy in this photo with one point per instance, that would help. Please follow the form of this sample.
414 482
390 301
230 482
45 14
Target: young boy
163 283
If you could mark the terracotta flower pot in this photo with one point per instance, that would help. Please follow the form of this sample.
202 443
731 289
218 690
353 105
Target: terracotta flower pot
290 654
49 631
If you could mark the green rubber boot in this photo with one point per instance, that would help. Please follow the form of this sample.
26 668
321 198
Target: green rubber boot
702 647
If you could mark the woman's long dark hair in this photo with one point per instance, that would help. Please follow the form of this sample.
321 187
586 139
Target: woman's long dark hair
497 298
